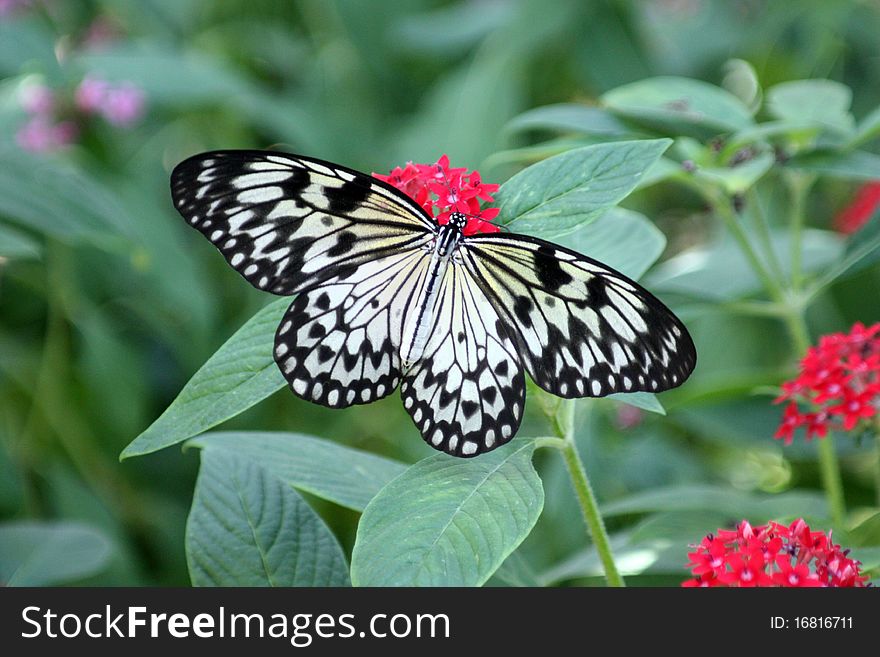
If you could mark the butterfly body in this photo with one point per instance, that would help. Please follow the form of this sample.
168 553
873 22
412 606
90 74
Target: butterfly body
384 297
417 329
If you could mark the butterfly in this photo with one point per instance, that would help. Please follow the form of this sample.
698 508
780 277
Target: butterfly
384 296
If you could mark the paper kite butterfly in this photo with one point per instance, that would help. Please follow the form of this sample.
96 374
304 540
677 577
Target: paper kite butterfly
385 296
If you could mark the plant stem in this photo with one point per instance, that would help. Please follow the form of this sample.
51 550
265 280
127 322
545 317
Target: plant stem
828 463
831 481
564 426
877 466
798 184
724 208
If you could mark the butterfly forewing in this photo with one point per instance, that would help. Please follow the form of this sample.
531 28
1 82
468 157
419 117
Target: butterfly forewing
286 222
582 328
467 392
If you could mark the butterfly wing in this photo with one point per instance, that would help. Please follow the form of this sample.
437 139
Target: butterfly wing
467 393
339 342
286 222
583 329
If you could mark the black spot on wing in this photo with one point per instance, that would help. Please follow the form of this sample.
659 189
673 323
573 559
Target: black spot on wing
344 244
348 197
523 307
548 268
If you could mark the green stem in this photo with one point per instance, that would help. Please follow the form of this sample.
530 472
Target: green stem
798 185
763 230
724 208
829 467
564 425
877 466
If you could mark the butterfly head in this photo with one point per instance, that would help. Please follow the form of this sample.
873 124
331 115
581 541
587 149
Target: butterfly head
458 219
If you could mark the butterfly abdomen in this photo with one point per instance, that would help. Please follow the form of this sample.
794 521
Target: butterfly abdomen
417 329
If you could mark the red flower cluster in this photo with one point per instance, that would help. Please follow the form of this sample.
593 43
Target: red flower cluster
772 555
856 214
441 190
840 379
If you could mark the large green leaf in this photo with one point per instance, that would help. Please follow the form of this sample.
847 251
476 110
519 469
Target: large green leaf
850 165
755 507
61 201
340 474
622 239
448 521
570 117
559 194
824 102
720 271
248 527
867 130
17 244
681 105
240 374
862 251
50 553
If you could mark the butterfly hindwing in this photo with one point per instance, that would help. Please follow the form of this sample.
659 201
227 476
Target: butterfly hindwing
285 222
467 392
339 342
583 329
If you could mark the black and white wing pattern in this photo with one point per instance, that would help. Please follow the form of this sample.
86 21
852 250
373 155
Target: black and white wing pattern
339 342
285 222
467 392
359 255
582 329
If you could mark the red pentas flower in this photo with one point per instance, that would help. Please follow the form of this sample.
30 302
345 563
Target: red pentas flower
839 384
860 210
772 555
442 190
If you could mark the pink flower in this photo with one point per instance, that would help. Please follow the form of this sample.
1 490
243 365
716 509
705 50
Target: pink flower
41 135
37 99
123 105
91 94
7 7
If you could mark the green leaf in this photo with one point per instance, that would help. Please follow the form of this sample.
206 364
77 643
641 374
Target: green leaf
516 571
240 374
721 272
448 521
657 544
18 245
735 503
741 80
862 251
622 239
680 105
647 401
346 476
60 201
852 165
867 130
738 179
50 553
248 527
569 117
866 532
782 130
559 194
824 102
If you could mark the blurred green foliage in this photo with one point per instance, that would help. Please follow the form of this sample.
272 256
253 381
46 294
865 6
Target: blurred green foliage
109 303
